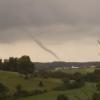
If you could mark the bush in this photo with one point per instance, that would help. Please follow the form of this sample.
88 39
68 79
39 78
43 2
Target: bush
41 84
96 96
62 97
70 84
3 92
20 92
38 92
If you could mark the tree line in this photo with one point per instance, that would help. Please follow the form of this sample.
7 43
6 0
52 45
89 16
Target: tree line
22 65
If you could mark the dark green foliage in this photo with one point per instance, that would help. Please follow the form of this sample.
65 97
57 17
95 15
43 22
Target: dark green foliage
41 84
77 76
19 88
25 66
98 87
38 92
71 84
20 92
96 96
13 63
1 64
94 76
62 97
3 92
10 64
97 71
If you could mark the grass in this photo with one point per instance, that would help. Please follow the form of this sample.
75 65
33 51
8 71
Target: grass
83 93
12 79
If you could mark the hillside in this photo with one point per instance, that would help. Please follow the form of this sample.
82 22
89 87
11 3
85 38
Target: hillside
12 79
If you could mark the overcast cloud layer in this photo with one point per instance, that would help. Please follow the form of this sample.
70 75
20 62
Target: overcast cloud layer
55 21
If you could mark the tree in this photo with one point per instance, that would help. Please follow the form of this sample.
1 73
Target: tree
18 88
77 76
10 64
5 65
62 97
1 64
41 84
13 63
25 66
97 71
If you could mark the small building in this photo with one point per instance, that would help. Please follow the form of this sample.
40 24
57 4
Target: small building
74 67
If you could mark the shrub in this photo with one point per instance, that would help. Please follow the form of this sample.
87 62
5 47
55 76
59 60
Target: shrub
41 84
3 92
20 92
62 97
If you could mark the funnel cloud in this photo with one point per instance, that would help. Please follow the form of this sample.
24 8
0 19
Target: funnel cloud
45 48
41 45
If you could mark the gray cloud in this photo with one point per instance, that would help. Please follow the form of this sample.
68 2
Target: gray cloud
60 20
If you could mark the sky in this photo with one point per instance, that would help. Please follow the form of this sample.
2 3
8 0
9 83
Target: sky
68 28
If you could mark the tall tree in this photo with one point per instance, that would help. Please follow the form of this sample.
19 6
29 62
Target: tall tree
25 66
1 64
13 64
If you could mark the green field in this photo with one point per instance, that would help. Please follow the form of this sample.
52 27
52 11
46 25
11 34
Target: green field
74 70
84 93
11 80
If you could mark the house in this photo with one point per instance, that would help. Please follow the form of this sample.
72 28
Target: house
74 67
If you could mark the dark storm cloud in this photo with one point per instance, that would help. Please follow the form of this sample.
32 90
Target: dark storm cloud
49 19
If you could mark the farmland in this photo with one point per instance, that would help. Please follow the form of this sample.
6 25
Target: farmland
12 79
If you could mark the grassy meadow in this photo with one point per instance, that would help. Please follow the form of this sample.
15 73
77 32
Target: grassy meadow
12 79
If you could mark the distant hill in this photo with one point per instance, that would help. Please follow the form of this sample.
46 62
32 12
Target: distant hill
51 65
